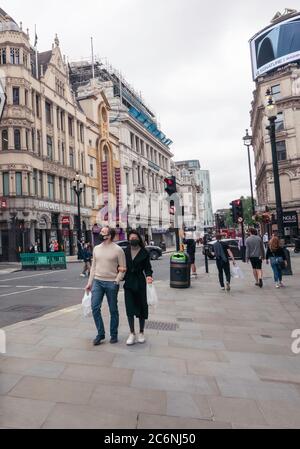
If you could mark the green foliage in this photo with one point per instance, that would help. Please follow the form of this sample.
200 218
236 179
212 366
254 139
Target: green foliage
247 204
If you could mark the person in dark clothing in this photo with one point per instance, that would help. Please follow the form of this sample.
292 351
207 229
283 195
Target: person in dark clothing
223 253
139 274
87 258
277 257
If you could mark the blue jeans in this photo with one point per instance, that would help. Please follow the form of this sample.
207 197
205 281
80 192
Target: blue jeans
276 269
111 290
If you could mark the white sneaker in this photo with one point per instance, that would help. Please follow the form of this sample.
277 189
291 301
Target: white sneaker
277 286
141 339
82 275
131 340
228 288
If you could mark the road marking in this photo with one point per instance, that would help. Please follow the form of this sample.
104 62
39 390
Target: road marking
42 287
20 293
26 277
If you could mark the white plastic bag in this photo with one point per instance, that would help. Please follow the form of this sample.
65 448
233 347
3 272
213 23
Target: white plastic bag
237 273
152 297
87 305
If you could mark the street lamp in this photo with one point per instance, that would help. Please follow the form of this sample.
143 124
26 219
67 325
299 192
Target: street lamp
248 142
78 188
271 113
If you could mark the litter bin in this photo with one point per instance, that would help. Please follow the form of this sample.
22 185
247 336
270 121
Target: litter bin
180 271
288 271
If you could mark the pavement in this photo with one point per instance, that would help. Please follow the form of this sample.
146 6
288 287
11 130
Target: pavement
212 360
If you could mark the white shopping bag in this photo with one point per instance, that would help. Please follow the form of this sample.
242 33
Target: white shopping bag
87 305
152 297
237 273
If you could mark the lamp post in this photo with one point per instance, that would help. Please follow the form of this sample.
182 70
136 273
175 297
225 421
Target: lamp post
78 188
248 142
271 112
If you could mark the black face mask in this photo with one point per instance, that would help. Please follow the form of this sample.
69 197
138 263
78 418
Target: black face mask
103 239
134 243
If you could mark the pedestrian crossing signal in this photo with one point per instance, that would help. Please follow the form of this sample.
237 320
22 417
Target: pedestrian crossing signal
170 185
237 211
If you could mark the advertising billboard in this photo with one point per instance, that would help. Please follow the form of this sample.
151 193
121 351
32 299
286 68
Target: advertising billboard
276 46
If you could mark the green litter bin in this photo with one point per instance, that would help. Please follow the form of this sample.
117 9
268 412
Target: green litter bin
180 271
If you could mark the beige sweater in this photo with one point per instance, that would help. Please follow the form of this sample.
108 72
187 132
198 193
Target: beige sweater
107 260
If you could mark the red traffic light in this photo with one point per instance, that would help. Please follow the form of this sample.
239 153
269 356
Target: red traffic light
169 181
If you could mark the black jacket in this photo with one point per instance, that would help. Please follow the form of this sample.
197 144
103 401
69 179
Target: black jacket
137 269
279 253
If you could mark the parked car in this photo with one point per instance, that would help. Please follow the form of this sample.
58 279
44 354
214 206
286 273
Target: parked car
233 246
154 251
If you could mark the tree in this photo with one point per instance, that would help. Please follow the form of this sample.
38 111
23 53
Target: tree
248 213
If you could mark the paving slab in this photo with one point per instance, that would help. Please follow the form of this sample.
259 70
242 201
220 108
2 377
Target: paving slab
154 422
18 413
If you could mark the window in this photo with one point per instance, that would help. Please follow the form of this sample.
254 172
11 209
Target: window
65 191
81 134
61 193
15 56
48 113
49 148
2 56
41 184
58 118
19 190
16 96
72 193
51 187
27 139
37 104
279 124
70 126
276 92
82 163
38 138
62 120
281 151
17 139
132 140
28 184
71 154
5 184
63 154
4 140
26 97
33 140
25 59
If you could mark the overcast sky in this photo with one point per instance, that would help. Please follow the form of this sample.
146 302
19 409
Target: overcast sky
189 58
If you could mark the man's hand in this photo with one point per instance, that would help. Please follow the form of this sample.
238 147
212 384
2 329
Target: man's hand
88 288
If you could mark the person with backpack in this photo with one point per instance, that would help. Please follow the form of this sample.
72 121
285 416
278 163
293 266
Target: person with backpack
223 253
277 257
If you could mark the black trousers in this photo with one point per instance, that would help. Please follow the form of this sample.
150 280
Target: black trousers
224 267
131 324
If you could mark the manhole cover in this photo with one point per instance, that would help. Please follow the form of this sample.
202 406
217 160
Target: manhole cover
27 309
161 326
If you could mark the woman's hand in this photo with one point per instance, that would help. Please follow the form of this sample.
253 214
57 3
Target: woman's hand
149 280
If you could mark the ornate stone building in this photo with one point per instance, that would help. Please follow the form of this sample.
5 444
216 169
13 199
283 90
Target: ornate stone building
43 141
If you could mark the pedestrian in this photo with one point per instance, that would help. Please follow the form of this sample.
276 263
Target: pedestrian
36 247
108 269
223 253
51 247
278 259
191 250
139 274
266 240
255 253
87 258
56 246
31 250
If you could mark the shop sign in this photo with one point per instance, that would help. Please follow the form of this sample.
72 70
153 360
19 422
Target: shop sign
290 219
48 206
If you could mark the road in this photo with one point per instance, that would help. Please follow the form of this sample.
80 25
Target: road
28 295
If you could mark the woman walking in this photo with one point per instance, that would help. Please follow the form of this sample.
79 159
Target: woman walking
277 257
139 274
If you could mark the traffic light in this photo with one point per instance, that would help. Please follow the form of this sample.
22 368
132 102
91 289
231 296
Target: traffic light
237 211
170 185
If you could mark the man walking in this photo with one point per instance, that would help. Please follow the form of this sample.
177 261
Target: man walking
223 253
255 253
108 270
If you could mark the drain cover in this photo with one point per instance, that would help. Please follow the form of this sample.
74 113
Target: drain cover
161 326
185 320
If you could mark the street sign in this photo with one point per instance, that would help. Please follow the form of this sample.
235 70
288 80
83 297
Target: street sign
2 100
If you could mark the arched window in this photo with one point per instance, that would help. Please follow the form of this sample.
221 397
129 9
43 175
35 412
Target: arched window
17 139
105 154
4 140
